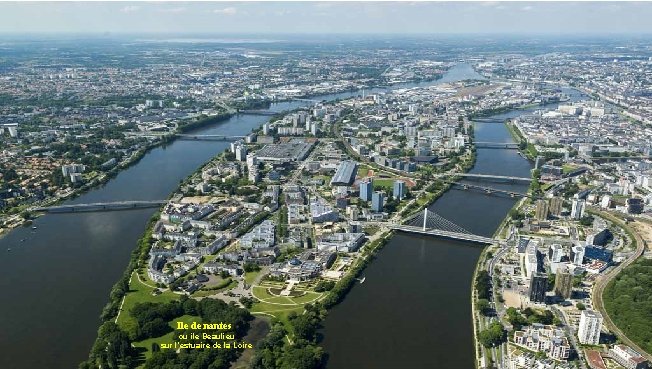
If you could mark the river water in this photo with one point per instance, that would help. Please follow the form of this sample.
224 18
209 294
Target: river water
414 309
56 279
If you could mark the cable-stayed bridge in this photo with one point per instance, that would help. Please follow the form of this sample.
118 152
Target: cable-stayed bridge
428 222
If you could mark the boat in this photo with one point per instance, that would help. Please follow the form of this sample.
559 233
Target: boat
362 280
8 249
34 227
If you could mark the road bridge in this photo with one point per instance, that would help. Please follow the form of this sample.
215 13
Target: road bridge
486 176
496 145
258 112
101 206
429 223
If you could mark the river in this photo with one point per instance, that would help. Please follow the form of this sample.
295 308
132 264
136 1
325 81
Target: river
414 309
56 279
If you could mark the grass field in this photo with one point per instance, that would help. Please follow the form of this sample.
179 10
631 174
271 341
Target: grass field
139 292
384 183
280 306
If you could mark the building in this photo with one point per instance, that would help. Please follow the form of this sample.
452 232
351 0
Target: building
399 190
577 210
261 236
634 205
541 210
377 201
545 338
577 255
366 189
531 259
556 206
589 327
241 153
345 174
628 358
538 287
555 253
563 283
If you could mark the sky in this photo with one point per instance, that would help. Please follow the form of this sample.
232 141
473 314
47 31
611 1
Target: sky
327 17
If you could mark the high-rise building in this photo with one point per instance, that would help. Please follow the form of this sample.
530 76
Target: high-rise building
555 253
399 190
366 188
241 153
556 205
266 129
538 162
589 327
542 210
577 211
377 201
563 283
538 287
577 255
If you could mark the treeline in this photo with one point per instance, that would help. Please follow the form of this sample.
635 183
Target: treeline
628 301
185 126
483 285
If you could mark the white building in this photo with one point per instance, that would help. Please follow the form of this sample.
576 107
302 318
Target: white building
589 328
577 211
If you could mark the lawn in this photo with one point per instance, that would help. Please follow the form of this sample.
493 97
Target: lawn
384 183
363 171
139 292
280 306
251 276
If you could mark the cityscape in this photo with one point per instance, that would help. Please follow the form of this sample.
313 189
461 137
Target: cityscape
326 199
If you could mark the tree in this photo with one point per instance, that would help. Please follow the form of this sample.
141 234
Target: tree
580 306
483 306
493 336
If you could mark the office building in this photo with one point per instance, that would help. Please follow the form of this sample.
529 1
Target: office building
577 210
399 190
541 210
555 206
634 205
377 201
563 283
589 327
538 287
366 189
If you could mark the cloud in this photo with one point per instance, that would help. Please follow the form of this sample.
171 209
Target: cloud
130 9
172 10
282 12
226 11
527 8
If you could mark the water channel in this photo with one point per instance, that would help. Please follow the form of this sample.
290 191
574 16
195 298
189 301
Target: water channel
57 277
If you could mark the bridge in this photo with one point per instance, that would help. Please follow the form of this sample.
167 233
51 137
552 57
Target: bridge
486 120
101 206
257 112
306 100
496 145
429 223
486 176
208 137
489 190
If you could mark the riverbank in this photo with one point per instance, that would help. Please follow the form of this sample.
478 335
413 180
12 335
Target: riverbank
104 178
